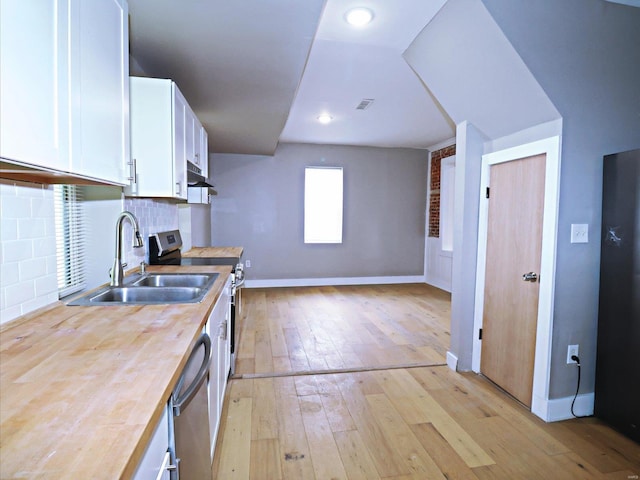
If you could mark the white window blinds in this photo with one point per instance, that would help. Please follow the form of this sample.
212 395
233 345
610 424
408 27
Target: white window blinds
323 194
70 238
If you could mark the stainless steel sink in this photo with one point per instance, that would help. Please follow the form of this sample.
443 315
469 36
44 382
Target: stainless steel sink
152 288
200 280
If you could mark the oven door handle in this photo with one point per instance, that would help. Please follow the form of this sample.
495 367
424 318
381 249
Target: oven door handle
180 402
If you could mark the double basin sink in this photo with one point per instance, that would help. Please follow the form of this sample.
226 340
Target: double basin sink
152 288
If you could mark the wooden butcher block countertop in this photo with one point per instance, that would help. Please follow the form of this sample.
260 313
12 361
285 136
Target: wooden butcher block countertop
82 388
214 252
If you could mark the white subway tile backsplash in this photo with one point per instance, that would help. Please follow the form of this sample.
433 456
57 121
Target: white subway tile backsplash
32 269
15 207
43 207
52 264
27 248
47 285
50 227
154 215
9 229
9 313
39 302
29 228
19 293
44 247
9 273
17 250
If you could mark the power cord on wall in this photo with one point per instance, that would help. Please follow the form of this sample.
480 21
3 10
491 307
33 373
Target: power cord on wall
577 360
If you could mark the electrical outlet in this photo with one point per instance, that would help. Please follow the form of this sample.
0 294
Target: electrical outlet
571 351
247 263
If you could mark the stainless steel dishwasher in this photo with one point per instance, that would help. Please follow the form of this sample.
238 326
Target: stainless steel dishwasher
190 406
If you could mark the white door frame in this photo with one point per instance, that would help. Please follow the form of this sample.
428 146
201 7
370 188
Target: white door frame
542 363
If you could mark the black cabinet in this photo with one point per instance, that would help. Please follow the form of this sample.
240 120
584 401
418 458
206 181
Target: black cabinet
617 392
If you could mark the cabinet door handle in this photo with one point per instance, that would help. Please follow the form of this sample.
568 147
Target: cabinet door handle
133 172
223 330
178 189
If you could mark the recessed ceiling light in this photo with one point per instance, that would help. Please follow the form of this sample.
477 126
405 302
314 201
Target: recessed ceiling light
325 118
359 17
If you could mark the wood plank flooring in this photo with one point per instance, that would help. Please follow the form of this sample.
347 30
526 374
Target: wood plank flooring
323 329
392 423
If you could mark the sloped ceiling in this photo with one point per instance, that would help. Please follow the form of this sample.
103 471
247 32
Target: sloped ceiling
238 63
347 65
259 72
470 67
248 68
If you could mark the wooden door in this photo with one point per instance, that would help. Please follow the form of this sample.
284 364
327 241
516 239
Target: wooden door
514 242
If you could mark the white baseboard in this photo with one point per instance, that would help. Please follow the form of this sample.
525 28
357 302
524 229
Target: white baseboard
439 283
320 282
558 409
452 361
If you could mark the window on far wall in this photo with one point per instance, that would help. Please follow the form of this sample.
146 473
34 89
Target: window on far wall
70 235
323 194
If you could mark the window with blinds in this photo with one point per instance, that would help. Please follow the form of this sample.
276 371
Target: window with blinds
323 196
70 238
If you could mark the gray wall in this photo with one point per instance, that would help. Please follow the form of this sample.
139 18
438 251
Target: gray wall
260 206
585 54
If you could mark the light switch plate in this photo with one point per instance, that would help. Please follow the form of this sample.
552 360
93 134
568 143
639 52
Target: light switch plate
579 233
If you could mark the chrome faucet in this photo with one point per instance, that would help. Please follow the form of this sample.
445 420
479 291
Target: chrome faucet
116 271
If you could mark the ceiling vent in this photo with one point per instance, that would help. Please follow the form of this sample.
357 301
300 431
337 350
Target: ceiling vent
364 104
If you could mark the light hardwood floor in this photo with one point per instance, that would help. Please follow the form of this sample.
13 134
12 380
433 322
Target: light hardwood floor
293 330
386 423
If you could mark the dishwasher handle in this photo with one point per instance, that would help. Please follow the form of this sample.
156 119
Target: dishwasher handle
180 402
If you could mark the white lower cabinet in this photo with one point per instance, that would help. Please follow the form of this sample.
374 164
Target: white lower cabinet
156 460
219 330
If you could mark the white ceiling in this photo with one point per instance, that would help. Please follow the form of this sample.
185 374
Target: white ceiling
258 72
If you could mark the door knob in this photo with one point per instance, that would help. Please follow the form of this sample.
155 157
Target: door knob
530 277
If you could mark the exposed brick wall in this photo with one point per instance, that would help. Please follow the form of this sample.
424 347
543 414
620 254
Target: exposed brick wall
434 188
434 215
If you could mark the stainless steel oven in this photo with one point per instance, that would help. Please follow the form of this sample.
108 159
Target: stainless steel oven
164 249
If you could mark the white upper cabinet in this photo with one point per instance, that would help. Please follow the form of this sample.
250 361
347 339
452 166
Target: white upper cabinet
197 143
192 148
100 89
158 130
34 103
64 86
165 135
204 152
